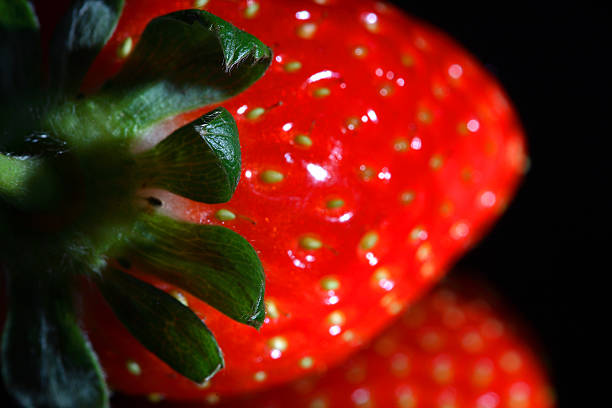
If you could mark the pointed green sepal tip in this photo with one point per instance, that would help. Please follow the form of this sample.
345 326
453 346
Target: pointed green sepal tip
17 15
19 52
46 359
200 161
163 325
211 262
206 60
77 40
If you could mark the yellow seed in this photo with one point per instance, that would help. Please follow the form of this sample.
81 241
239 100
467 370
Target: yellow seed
306 362
423 251
200 3
133 367
213 398
352 123
306 30
225 215
369 240
271 177
303 140
510 362
251 9
310 243
321 92
293 66
483 374
407 197
318 403
330 283
125 48
385 90
436 161
335 203
371 22
446 208
366 172
400 145
425 116
278 343
203 385
428 269
406 399
360 51
407 60
271 309
255 113
180 297
155 397
336 318
442 372
348 336
260 376
380 274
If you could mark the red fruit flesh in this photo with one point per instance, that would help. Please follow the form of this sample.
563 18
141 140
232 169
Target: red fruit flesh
458 347
406 128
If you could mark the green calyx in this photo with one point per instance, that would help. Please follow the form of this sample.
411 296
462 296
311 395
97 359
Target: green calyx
72 176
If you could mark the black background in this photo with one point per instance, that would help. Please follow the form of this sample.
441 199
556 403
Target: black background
544 255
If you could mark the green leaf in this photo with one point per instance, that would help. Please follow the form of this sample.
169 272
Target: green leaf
78 39
19 49
183 61
46 360
211 262
171 331
200 161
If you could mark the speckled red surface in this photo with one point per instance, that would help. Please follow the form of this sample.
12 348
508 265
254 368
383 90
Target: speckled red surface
410 132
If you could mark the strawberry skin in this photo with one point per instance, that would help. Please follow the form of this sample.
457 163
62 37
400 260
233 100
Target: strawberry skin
457 347
375 151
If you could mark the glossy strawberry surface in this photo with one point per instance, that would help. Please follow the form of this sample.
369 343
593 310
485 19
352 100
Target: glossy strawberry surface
458 347
375 151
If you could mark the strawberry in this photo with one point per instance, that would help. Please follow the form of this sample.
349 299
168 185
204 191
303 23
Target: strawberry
374 151
457 347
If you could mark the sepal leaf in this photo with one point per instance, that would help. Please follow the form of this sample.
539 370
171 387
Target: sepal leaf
46 360
78 38
184 60
211 262
171 331
200 161
19 49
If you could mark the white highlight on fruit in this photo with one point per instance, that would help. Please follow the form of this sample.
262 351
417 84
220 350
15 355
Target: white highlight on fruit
473 125
455 71
326 74
317 172
302 15
372 115
488 199
360 396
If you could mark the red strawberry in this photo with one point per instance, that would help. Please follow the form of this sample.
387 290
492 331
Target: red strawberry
458 347
375 151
